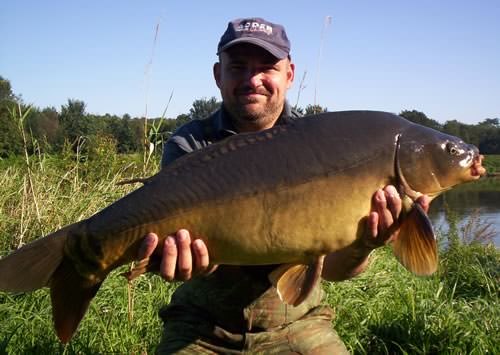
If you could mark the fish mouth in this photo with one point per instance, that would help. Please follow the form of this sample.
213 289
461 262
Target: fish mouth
476 168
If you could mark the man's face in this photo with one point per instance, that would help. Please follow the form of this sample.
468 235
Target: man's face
253 85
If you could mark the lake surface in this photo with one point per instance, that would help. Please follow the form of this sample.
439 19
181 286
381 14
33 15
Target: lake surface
480 199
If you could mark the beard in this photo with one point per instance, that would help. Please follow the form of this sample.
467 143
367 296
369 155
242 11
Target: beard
253 110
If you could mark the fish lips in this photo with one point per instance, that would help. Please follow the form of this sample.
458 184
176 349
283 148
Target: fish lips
476 168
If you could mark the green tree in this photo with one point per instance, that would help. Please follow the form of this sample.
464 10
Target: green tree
44 127
488 132
123 132
6 93
182 119
75 124
493 122
420 118
203 108
459 129
10 136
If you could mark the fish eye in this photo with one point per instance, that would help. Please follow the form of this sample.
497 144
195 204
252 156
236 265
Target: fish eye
452 149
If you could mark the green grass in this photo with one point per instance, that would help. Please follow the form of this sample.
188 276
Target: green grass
388 310
384 310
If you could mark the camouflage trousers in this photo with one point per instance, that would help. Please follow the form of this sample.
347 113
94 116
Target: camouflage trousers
311 334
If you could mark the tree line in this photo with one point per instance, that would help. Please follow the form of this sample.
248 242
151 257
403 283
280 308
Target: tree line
71 127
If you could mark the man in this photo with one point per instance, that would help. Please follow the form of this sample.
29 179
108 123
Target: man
234 309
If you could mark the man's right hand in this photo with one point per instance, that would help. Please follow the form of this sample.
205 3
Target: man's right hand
180 258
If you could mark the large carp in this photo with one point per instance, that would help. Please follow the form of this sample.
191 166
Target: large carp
288 195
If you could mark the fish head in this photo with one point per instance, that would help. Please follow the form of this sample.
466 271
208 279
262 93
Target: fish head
430 162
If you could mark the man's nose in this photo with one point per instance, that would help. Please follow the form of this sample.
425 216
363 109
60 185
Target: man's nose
253 78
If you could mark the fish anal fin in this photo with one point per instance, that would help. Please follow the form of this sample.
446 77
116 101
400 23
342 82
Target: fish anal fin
71 295
416 246
294 282
31 266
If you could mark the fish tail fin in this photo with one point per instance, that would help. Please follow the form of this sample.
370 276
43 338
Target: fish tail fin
31 266
416 246
294 282
71 295
42 263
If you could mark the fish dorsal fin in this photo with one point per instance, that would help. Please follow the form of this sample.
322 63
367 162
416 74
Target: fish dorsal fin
294 282
416 247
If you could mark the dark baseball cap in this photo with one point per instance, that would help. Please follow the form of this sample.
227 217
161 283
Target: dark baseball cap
270 36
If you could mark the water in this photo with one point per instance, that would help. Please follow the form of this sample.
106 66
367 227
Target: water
481 198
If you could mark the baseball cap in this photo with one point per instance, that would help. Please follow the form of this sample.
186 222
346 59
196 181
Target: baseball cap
267 35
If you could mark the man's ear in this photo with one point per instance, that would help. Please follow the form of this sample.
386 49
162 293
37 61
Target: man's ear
290 75
216 70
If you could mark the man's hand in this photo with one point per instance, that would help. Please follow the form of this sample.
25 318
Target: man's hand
382 220
181 258
382 227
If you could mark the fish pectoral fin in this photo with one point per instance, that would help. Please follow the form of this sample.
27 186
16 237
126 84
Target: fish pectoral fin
416 246
294 282
71 295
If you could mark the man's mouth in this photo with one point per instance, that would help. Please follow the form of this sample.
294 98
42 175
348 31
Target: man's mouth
247 92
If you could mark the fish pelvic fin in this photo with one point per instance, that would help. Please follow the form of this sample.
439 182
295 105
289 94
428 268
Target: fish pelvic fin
416 246
141 267
71 295
295 282
31 266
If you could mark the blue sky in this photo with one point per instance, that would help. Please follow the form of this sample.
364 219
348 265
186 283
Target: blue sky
438 57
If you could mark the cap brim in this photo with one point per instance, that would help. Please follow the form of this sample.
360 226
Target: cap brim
275 51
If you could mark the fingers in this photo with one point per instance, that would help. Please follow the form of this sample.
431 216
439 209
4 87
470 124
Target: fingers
148 246
176 262
200 253
373 224
185 261
169 259
394 202
380 207
387 205
183 258
385 211
201 262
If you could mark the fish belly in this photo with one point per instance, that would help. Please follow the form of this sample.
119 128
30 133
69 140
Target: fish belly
288 224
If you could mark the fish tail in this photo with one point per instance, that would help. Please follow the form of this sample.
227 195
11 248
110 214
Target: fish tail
71 295
42 263
31 267
416 246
